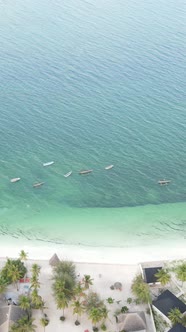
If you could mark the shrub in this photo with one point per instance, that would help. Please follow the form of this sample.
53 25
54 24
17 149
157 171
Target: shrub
124 309
62 318
9 263
95 329
103 327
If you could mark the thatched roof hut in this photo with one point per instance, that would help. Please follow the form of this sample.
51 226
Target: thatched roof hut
54 260
132 322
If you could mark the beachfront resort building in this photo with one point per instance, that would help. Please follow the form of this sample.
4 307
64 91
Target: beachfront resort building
149 275
178 328
165 303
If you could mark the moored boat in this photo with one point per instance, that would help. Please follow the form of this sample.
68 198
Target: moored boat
109 167
48 164
163 182
67 174
86 171
15 180
38 184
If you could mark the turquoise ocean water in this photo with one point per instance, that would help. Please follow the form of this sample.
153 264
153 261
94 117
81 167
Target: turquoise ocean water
89 83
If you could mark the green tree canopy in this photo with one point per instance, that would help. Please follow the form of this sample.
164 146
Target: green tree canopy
3 284
87 280
35 270
61 302
163 276
12 270
78 308
175 316
141 290
23 325
93 301
95 315
23 256
44 322
181 272
65 268
25 304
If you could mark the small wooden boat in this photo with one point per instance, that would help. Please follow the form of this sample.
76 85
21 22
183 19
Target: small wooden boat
109 167
48 164
15 180
38 184
86 171
164 182
67 174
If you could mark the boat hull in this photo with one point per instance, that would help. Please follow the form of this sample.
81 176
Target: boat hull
48 164
86 171
39 184
109 167
15 180
67 175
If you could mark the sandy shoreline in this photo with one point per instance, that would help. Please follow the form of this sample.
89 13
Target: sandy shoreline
127 255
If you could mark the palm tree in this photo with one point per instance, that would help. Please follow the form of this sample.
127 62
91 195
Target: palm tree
78 308
79 290
181 272
3 285
62 302
35 282
23 325
95 316
23 256
175 316
35 269
183 320
14 274
104 313
63 287
141 290
65 267
163 276
87 281
36 300
24 303
44 322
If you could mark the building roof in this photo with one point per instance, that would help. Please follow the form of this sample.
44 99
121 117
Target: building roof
54 260
150 274
10 313
15 313
167 301
3 314
132 322
178 328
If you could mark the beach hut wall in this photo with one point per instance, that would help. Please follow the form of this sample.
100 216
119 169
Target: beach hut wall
54 260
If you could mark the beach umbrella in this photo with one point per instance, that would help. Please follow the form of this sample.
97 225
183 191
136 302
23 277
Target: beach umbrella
54 260
118 285
131 322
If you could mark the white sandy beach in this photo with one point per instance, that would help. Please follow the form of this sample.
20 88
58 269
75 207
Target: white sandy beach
105 265
104 275
127 255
